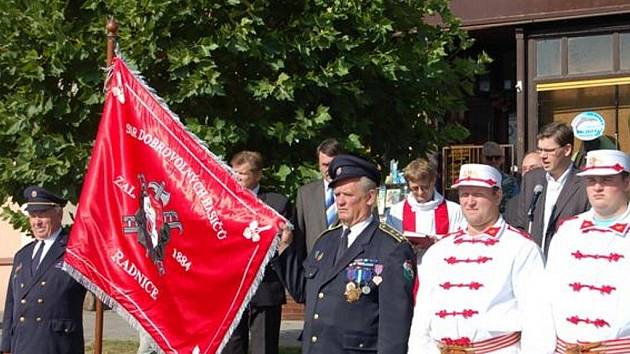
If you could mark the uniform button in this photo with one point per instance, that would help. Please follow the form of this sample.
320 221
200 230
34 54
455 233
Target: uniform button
66 330
43 283
321 295
360 345
40 301
21 285
316 316
38 319
23 301
314 339
22 319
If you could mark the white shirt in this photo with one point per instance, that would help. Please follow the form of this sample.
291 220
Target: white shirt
554 187
588 270
357 229
425 214
47 244
480 287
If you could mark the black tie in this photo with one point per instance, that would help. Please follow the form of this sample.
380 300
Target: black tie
343 244
37 257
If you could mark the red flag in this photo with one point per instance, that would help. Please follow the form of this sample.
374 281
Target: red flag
163 232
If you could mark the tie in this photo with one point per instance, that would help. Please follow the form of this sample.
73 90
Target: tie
37 257
343 244
331 208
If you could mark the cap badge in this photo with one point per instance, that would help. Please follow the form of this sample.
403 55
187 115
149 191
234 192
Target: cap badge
34 194
468 173
338 171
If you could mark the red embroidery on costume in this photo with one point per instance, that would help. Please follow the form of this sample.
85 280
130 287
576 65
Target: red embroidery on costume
612 257
617 167
487 241
595 229
619 227
468 313
585 224
480 260
488 181
472 285
493 231
463 341
519 231
604 289
596 322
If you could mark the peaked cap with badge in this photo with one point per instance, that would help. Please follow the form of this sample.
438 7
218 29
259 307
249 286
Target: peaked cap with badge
605 162
358 299
343 167
39 199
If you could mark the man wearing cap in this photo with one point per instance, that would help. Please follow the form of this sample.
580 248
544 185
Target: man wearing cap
357 281
43 309
481 288
492 155
588 263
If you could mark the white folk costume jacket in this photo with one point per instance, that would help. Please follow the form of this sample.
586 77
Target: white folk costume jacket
484 292
589 274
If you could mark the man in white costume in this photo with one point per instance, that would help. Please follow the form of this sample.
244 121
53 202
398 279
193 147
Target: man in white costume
481 288
589 263
424 216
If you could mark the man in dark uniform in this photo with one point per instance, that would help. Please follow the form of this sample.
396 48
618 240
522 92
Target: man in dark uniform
264 313
357 281
43 310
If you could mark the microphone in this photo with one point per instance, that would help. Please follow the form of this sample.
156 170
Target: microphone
538 189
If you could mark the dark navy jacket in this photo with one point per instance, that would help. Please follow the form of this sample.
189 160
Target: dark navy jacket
43 311
379 321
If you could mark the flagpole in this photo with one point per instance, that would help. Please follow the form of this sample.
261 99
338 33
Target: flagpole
112 34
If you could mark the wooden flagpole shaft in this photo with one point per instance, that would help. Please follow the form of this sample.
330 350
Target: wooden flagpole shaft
112 33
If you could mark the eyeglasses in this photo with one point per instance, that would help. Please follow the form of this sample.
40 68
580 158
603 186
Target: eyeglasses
494 158
548 151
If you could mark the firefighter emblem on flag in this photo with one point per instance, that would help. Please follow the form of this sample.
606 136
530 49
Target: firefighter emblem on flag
151 222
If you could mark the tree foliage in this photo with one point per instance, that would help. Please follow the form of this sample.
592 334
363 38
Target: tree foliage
275 76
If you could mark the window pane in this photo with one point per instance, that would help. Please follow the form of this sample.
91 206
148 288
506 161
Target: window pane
590 54
624 38
548 57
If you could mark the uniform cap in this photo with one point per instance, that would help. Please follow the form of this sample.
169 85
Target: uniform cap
478 175
343 167
39 199
605 162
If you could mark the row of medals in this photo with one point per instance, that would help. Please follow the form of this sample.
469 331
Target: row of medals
355 290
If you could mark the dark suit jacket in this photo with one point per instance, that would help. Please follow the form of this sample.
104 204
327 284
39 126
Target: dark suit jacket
379 321
571 201
310 214
44 311
270 292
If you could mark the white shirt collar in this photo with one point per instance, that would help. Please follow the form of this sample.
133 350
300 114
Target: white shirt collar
562 178
430 205
47 243
357 229
256 189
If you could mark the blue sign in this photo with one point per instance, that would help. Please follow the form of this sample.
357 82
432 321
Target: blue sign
588 126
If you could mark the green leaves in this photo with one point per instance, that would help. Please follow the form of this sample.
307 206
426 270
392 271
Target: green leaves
274 76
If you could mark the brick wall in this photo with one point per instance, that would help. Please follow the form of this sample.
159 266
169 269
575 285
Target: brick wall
292 311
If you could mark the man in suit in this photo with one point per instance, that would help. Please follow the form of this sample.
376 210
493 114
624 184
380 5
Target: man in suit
43 310
264 313
563 193
357 281
315 207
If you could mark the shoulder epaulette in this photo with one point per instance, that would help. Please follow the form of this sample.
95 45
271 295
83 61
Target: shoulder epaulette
331 228
395 234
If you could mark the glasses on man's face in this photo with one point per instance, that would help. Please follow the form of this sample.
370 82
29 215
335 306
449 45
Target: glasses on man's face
494 158
547 151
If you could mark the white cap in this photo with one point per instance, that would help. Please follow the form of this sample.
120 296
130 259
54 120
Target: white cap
477 175
605 162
